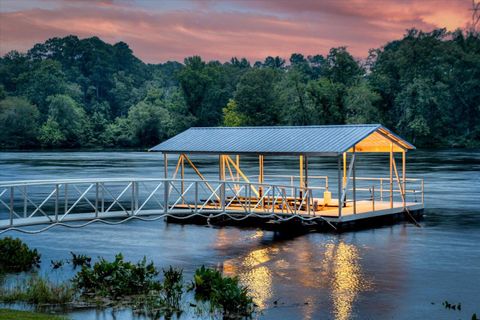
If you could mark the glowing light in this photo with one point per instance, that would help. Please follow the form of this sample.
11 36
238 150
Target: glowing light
347 281
255 275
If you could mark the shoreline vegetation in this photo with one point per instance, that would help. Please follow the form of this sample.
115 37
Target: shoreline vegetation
71 93
118 284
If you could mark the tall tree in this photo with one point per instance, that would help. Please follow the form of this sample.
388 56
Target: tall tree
19 123
256 97
342 67
361 104
45 79
67 121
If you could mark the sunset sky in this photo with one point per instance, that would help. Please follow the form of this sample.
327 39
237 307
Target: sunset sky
158 31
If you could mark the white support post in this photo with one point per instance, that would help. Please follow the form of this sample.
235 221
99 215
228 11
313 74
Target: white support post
302 181
404 172
354 183
306 171
25 203
196 196
182 176
166 184
57 198
132 204
221 174
66 198
307 193
260 179
391 175
340 187
11 206
96 201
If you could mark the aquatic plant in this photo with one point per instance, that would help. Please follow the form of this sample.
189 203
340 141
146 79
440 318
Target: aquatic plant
16 256
164 302
80 260
204 282
37 290
452 306
172 287
225 294
118 278
56 264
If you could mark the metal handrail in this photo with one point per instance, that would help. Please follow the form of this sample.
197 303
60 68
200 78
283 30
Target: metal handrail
132 196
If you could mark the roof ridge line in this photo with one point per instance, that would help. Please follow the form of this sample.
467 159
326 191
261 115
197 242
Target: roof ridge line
294 127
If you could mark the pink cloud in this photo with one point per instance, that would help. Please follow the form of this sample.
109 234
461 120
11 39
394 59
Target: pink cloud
264 28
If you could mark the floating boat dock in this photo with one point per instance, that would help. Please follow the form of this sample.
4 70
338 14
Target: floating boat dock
306 199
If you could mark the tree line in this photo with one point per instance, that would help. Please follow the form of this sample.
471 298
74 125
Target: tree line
70 92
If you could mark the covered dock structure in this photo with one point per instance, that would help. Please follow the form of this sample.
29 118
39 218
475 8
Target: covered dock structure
305 194
238 192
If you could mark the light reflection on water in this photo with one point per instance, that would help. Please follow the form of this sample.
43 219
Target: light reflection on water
334 267
394 272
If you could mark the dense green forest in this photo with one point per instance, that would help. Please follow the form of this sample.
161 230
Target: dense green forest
68 92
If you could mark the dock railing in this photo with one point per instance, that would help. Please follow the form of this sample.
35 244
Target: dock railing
378 190
53 201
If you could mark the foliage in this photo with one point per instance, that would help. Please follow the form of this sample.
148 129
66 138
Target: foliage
56 264
256 97
325 100
66 120
37 290
70 92
452 306
224 294
51 134
361 104
172 287
117 278
80 260
8 314
166 301
342 67
19 122
232 117
16 256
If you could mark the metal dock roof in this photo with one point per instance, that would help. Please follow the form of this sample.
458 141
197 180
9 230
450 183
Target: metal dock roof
291 140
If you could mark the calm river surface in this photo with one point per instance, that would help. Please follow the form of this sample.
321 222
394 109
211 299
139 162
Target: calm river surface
393 272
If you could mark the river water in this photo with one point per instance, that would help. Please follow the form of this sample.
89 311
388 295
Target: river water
392 272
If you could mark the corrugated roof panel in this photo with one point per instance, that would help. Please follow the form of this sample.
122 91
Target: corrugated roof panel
325 140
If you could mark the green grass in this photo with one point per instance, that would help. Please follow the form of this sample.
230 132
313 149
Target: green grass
37 290
8 314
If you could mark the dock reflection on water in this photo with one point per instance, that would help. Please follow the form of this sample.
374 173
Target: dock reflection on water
333 267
